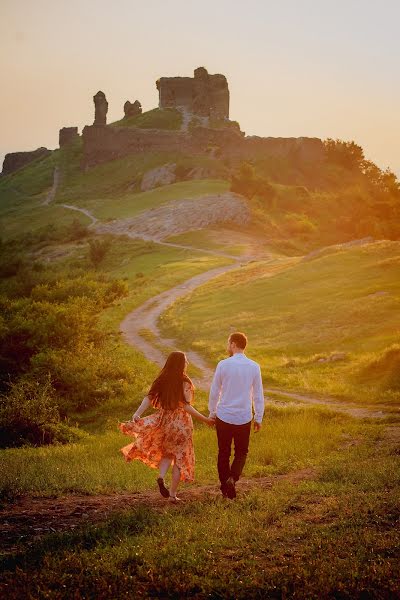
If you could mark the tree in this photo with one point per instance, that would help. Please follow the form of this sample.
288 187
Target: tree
347 154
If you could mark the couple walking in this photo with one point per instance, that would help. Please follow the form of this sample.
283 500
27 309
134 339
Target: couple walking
165 437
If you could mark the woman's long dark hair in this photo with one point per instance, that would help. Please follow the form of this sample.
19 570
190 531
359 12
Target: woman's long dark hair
167 390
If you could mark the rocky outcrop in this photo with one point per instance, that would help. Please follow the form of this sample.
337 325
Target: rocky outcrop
16 160
67 135
204 95
132 110
100 109
178 217
157 177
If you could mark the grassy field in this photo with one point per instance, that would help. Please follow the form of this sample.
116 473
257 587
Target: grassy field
331 535
317 516
346 302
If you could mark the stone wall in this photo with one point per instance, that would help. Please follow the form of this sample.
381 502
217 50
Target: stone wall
101 144
204 95
15 160
67 135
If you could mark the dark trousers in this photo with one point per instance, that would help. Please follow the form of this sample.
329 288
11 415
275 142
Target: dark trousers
240 434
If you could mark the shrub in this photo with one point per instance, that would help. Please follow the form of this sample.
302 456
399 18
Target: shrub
77 231
246 182
98 250
82 379
27 413
384 370
299 224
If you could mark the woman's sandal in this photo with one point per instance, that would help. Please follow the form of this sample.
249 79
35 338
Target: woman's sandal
161 486
174 499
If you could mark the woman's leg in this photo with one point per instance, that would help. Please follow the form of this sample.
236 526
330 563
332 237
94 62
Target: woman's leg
176 476
164 465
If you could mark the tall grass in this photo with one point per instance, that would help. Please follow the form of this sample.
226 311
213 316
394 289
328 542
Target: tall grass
291 439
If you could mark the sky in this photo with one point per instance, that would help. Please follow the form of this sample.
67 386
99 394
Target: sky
313 68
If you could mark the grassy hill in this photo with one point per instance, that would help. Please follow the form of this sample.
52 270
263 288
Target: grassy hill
344 302
318 514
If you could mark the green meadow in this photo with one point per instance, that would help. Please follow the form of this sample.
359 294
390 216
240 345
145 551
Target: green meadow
316 515
344 303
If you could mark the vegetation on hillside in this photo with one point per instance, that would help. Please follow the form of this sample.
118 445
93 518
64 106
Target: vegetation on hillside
301 206
325 325
167 118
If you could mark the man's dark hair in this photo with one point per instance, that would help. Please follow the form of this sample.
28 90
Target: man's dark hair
239 339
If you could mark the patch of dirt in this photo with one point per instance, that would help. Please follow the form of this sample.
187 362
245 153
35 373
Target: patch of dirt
182 216
29 519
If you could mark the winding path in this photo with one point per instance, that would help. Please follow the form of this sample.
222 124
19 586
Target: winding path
140 330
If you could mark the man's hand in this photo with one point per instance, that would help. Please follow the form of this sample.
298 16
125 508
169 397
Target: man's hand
256 427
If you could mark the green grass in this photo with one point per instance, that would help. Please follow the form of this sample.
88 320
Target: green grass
213 239
156 118
331 536
129 205
293 438
293 318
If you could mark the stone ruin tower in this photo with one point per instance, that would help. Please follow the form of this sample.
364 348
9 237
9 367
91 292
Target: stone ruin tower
100 109
203 95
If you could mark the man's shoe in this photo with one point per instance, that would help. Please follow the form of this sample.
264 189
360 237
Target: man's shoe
161 486
230 488
223 490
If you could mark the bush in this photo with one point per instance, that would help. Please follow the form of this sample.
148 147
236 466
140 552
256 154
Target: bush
82 379
299 224
98 250
384 370
27 414
77 231
247 183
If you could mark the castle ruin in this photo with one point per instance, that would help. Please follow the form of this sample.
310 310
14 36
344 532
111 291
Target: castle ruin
203 95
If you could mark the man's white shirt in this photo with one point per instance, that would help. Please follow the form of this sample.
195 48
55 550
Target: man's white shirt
236 386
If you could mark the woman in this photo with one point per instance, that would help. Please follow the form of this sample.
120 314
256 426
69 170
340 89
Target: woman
166 436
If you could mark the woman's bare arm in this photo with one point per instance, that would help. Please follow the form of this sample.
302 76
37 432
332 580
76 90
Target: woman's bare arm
142 408
188 393
197 415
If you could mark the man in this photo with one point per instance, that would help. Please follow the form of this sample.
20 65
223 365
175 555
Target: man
236 386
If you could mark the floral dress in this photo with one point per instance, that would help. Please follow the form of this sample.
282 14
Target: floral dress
163 434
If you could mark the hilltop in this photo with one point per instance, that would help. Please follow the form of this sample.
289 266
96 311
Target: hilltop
302 193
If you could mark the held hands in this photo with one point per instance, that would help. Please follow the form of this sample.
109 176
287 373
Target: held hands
210 421
135 418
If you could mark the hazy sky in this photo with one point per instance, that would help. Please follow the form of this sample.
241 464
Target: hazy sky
294 67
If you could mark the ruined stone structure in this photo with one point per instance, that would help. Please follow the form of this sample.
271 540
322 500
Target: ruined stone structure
101 144
132 110
15 160
67 135
100 109
203 95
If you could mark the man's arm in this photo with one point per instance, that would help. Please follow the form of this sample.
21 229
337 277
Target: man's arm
258 399
215 392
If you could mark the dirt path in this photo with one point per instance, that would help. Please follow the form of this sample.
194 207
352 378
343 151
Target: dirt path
53 190
141 322
29 519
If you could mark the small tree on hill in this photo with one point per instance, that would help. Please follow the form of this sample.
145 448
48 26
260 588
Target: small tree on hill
98 250
247 183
